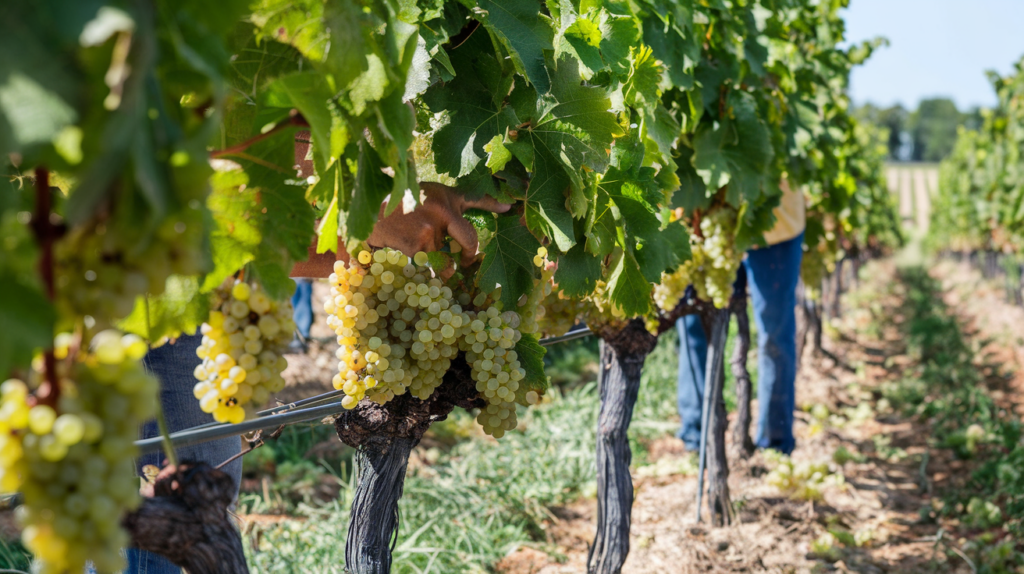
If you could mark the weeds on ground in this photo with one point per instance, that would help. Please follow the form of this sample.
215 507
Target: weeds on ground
947 387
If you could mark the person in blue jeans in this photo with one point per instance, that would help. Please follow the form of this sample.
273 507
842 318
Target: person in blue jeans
173 364
772 274
302 303
440 211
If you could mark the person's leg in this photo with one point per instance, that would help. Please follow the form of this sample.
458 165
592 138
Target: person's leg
773 273
302 301
693 353
173 366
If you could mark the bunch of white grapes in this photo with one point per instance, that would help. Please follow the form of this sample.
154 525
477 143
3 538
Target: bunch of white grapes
243 347
101 271
399 326
488 342
73 462
712 268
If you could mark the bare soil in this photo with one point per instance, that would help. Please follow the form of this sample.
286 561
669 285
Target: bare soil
882 498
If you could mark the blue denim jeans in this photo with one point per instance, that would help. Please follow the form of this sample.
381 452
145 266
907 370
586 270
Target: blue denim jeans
302 302
772 274
173 365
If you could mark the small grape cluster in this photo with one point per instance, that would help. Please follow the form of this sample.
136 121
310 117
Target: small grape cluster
712 268
399 326
101 272
244 340
495 367
530 307
73 462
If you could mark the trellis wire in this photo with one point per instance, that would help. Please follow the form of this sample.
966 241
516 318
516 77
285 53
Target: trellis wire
286 414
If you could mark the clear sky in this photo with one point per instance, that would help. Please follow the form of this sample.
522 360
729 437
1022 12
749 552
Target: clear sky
937 48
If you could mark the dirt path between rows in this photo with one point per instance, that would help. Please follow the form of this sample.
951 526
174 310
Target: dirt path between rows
885 501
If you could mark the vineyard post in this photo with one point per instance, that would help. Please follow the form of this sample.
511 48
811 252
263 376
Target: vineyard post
622 359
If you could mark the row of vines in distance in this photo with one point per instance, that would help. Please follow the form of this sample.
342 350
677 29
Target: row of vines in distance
150 151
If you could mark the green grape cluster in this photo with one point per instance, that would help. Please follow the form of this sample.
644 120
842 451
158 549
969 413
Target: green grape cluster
73 462
489 343
712 268
399 327
102 271
816 264
244 340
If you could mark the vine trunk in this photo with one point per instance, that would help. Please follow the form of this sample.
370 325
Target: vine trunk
716 323
622 359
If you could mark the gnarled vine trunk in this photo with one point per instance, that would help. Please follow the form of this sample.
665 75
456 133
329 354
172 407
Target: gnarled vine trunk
384 436
741 441
716 324
622 359
186 520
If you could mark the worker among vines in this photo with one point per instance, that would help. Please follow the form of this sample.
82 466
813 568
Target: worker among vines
772 273
425 228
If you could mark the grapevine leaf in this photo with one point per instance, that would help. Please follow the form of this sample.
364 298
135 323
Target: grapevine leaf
600 228
235 234
735 153
546 213
577 120
577 272
667 33
399 120
584 36
308 92
26 322
508 261
635 195
631 292
619 34
692 193
327 234
526 32
372 186
272 269
497 154
531 359
327 186
476 115
641 88
369 86
37 90
181 308
663 129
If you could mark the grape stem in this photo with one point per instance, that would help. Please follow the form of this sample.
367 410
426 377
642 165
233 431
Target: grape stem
161 421
295 120
46 233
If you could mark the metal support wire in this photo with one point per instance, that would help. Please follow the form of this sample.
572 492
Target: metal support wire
198 435
571 335
315 407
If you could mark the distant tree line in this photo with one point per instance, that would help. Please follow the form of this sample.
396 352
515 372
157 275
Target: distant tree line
925 134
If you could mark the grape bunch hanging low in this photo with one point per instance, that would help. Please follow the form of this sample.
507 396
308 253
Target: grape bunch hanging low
712 268
102 270
243 346
399 326
72 462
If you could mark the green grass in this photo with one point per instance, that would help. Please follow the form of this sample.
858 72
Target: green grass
13 556
483 498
